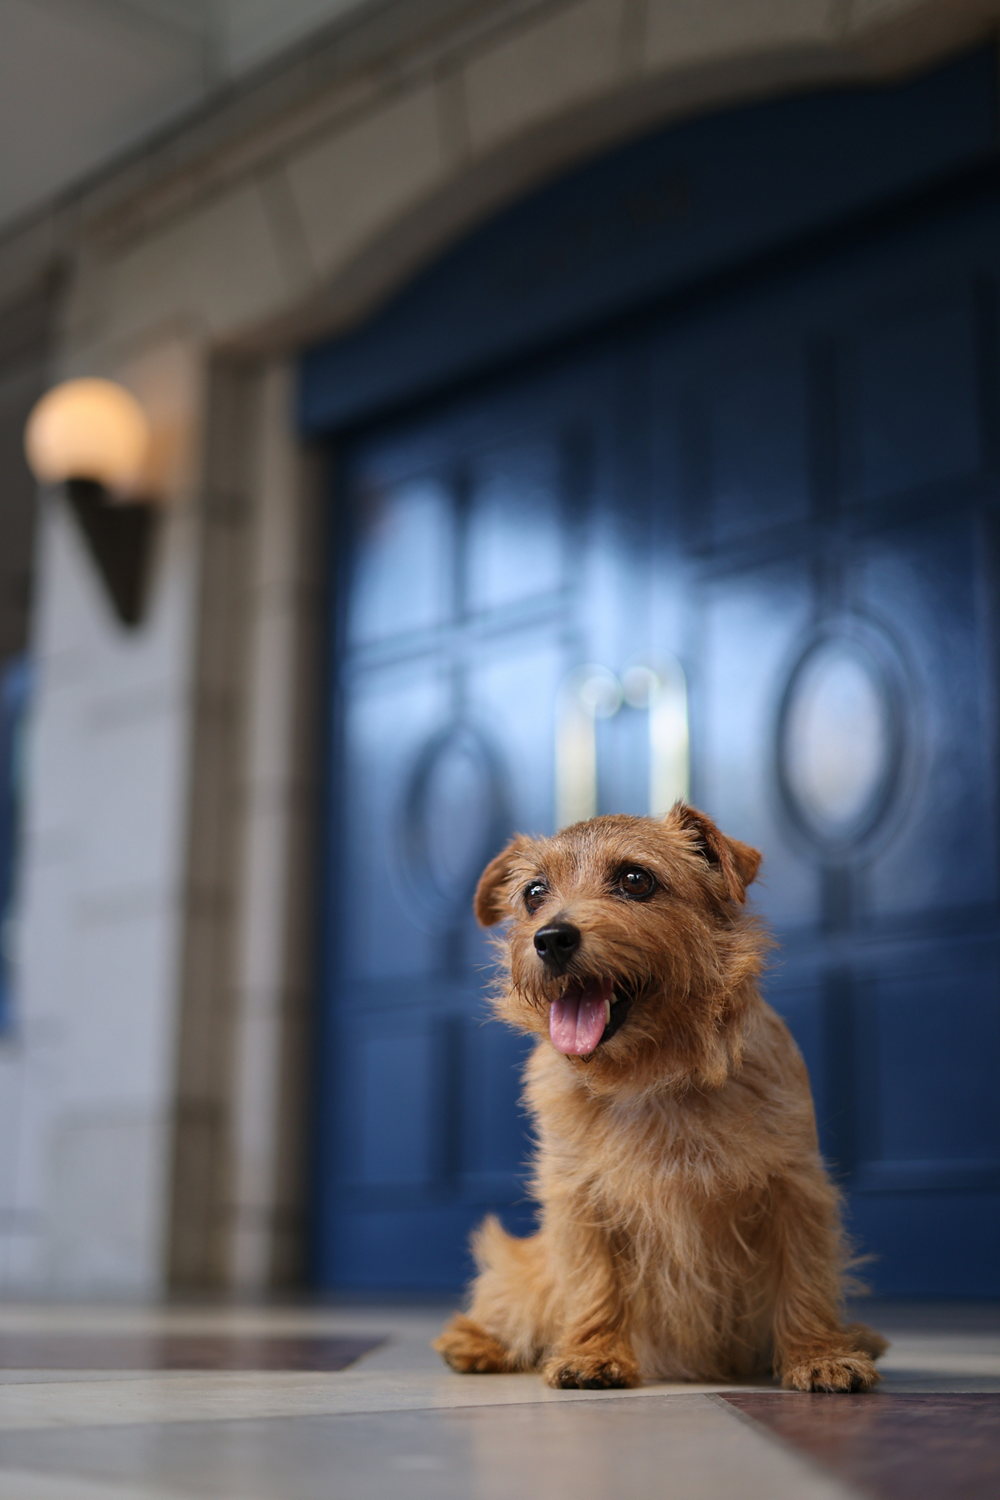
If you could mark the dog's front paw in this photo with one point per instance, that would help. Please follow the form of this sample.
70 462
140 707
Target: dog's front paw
470 1350
587 1370
831 1372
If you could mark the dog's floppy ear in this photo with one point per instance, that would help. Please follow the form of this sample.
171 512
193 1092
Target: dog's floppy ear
736 862
488 902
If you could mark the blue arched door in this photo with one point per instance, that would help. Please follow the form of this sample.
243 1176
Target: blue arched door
784 477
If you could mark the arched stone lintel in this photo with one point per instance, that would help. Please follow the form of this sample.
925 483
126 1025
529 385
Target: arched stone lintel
476 187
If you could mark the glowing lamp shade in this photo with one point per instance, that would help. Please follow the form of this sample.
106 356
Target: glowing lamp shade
88 429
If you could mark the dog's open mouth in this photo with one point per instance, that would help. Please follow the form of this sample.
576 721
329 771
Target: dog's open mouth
586 1015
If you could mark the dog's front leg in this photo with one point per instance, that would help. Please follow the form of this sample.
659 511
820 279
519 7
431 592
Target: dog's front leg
813 1351
593 1348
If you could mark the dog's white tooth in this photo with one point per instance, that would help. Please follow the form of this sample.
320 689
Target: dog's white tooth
607 1011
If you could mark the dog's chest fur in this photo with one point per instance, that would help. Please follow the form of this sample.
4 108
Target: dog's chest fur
680 1178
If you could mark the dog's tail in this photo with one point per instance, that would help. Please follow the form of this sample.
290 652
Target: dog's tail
514 1272
492 1247
513 1296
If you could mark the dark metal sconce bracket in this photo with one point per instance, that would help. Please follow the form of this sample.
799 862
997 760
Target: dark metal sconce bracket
120 539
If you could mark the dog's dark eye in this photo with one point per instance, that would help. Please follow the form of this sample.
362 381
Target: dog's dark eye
535 894
635 882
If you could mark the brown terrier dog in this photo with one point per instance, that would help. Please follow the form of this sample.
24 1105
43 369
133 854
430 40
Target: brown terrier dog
688 1227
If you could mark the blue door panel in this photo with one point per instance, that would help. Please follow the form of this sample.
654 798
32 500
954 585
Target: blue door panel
421 1248
928 1038
746 633
917 402
494 1141
927 1243
926 581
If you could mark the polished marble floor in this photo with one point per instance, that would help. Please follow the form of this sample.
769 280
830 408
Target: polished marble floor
350 1403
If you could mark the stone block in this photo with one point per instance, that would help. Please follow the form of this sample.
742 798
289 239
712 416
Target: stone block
272 709
168 376
119 1025
680 33
70 611
22 1260
863 13
106 1203
11 1084
263 917
356 182
46 941
56 788
543 70
218 268
133 779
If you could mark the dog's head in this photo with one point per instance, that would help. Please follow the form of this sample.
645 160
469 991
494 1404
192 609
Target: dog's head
629 947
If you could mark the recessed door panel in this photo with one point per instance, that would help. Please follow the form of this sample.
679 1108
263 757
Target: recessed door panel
756 449
925 580
516 526
396 1101
916 408
495 1137
928 1041
402 558
516 692
390 715
753 630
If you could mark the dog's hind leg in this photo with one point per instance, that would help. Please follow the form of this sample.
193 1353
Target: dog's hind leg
505 1328
470 1350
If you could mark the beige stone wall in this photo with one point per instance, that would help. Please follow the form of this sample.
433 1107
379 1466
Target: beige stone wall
89 1060
162 1009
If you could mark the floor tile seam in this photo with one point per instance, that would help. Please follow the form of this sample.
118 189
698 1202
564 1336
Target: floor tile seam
569 1398
94 1375
851 1491
312 1382
308 1381
74 1487
55 1375
93 1315
235 1334
131 1333
81 1378
576 1398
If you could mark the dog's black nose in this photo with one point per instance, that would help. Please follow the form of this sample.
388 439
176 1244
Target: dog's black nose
556 944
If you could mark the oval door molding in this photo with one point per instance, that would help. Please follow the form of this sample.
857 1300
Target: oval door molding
453 818
841 735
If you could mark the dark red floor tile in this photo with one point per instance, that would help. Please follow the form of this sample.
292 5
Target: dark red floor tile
903 1447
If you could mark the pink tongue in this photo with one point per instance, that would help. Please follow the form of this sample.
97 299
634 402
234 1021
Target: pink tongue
577 1021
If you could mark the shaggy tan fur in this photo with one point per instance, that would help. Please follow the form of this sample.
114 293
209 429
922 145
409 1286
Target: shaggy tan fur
688 1227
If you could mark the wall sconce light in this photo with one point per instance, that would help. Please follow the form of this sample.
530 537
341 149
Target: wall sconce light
92 437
